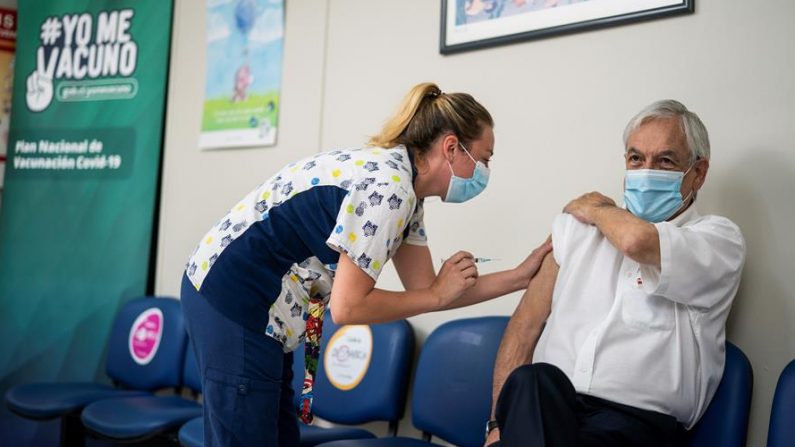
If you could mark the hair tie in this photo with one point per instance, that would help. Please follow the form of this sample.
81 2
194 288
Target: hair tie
435 93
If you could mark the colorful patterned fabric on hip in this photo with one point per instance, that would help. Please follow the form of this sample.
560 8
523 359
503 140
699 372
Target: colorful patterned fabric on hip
314 332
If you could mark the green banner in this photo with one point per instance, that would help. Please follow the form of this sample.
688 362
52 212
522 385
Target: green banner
81 180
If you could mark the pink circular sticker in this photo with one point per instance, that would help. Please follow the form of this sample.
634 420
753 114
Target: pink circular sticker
145 335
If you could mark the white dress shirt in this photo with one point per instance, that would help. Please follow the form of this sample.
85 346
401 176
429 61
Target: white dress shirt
638 335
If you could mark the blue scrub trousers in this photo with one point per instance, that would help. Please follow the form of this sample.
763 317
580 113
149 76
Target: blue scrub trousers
246 379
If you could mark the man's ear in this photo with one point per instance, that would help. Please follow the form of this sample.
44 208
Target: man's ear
701 167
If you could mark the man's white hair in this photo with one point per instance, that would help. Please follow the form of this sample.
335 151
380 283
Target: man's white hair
695 131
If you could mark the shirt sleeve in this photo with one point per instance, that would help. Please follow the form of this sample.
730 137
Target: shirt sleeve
700 264
562 227
416 234
370 224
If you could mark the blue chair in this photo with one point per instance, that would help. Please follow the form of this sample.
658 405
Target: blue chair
782 422
379 395
135 419
725 423
131 376
452 387
192 433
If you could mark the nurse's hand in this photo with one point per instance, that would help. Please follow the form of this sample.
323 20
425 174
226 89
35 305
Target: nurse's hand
457 274
528 268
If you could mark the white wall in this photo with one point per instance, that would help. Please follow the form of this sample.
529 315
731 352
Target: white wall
560 105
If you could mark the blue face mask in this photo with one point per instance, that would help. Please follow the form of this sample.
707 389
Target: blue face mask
654 195
463 189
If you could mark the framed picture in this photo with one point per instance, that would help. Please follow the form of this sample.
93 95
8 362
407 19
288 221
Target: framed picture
474 24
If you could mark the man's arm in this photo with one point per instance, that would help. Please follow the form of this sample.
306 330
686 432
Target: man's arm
631 235
524 329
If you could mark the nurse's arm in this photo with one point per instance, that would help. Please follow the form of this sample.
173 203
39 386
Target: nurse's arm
634 237
414 266
524 329
497 284
355 300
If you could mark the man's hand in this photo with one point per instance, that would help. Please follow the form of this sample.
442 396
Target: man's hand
493 437
583 207
631 235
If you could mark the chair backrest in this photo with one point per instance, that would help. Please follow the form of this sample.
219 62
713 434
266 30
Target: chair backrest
452 388
363 372
782 426
725 423
146 347
191 376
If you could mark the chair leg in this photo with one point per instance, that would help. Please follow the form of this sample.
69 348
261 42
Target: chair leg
393 428
72 433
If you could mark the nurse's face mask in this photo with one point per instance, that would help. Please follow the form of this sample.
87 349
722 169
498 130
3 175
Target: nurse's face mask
463 189
654 195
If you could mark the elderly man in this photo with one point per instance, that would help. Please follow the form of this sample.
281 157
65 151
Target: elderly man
632 303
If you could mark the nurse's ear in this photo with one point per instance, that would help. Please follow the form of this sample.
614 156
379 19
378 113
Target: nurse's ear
449 143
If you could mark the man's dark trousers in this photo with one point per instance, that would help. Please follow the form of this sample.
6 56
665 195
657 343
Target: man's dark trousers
538 407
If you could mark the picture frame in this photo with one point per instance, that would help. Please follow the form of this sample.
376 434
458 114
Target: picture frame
474 24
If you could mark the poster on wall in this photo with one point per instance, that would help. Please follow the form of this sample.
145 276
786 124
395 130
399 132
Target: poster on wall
243 75
475 24
8 41
81 185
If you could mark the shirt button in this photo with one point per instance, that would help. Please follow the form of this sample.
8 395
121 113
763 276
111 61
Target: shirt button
629 274
584 369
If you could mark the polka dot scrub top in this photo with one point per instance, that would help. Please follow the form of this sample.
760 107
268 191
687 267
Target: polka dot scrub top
279 246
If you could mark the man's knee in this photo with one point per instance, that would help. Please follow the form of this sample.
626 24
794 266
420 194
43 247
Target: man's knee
536 373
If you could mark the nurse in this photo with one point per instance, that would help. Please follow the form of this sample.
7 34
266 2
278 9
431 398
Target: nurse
318 234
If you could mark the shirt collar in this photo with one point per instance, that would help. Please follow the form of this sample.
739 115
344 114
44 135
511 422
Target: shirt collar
689 214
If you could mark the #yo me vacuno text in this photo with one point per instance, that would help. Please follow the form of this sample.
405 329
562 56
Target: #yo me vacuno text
79 47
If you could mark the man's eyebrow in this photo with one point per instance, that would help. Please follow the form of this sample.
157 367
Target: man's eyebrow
669 153
666 153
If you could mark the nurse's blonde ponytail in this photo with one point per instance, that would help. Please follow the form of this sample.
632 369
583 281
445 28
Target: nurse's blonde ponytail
427 113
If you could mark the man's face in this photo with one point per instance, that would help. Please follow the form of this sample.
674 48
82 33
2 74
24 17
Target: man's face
661 144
